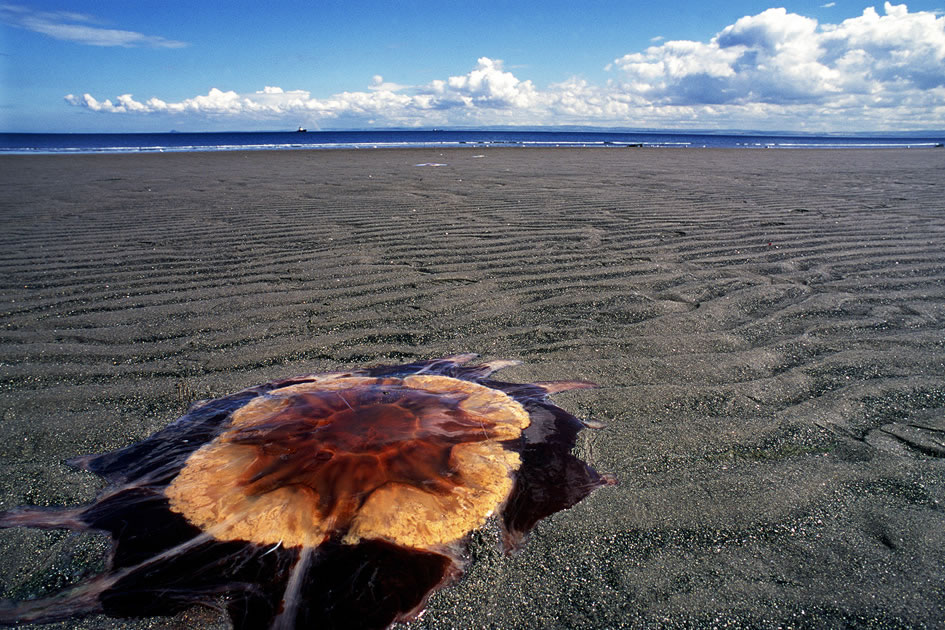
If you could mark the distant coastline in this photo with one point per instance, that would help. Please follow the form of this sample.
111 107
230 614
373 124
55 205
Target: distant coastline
177 141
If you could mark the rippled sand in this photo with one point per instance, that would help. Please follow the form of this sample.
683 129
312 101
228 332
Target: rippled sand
767 327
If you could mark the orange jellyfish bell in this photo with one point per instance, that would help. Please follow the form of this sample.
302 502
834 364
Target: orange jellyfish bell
270 495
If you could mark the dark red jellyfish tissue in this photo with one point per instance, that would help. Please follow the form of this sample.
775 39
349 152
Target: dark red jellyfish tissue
278 497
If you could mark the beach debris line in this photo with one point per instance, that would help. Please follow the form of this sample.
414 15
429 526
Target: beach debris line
329 500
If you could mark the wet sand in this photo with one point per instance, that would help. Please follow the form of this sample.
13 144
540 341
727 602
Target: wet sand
767 329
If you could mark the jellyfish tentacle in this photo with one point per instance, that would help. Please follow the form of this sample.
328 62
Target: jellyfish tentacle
481 370
553 387
292 597
81 600
308 501
43 518
443 365
85 598
499 364
459 358
197 540
166 450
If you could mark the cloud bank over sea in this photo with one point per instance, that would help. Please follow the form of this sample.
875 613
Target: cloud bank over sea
772 70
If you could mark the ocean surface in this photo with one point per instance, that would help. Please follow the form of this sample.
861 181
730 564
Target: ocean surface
45 143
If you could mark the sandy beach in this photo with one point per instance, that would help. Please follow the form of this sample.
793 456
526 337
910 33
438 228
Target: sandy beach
767 329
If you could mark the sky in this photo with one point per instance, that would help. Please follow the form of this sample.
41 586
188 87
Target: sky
154 66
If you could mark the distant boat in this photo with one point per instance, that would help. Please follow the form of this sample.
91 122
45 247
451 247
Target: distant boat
301 130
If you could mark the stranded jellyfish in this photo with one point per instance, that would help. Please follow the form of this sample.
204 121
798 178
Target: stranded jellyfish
330 500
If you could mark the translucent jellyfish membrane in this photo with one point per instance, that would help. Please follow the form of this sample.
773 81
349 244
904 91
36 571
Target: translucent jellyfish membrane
329 500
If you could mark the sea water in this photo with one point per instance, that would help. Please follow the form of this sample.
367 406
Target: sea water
46 143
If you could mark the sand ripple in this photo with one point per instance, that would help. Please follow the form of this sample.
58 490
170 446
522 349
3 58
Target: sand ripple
767 328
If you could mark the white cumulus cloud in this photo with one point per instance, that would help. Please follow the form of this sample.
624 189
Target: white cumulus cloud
487 85
772 70
459 98
378 83
776 57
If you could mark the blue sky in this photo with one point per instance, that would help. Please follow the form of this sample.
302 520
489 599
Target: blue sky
154 66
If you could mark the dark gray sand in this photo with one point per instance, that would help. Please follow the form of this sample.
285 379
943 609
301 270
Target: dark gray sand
767 329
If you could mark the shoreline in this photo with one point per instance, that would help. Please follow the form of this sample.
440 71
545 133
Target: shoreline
476 147
481 139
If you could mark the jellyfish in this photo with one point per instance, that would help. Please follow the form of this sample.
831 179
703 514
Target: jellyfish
330 500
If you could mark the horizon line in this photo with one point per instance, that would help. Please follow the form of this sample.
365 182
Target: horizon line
516 128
